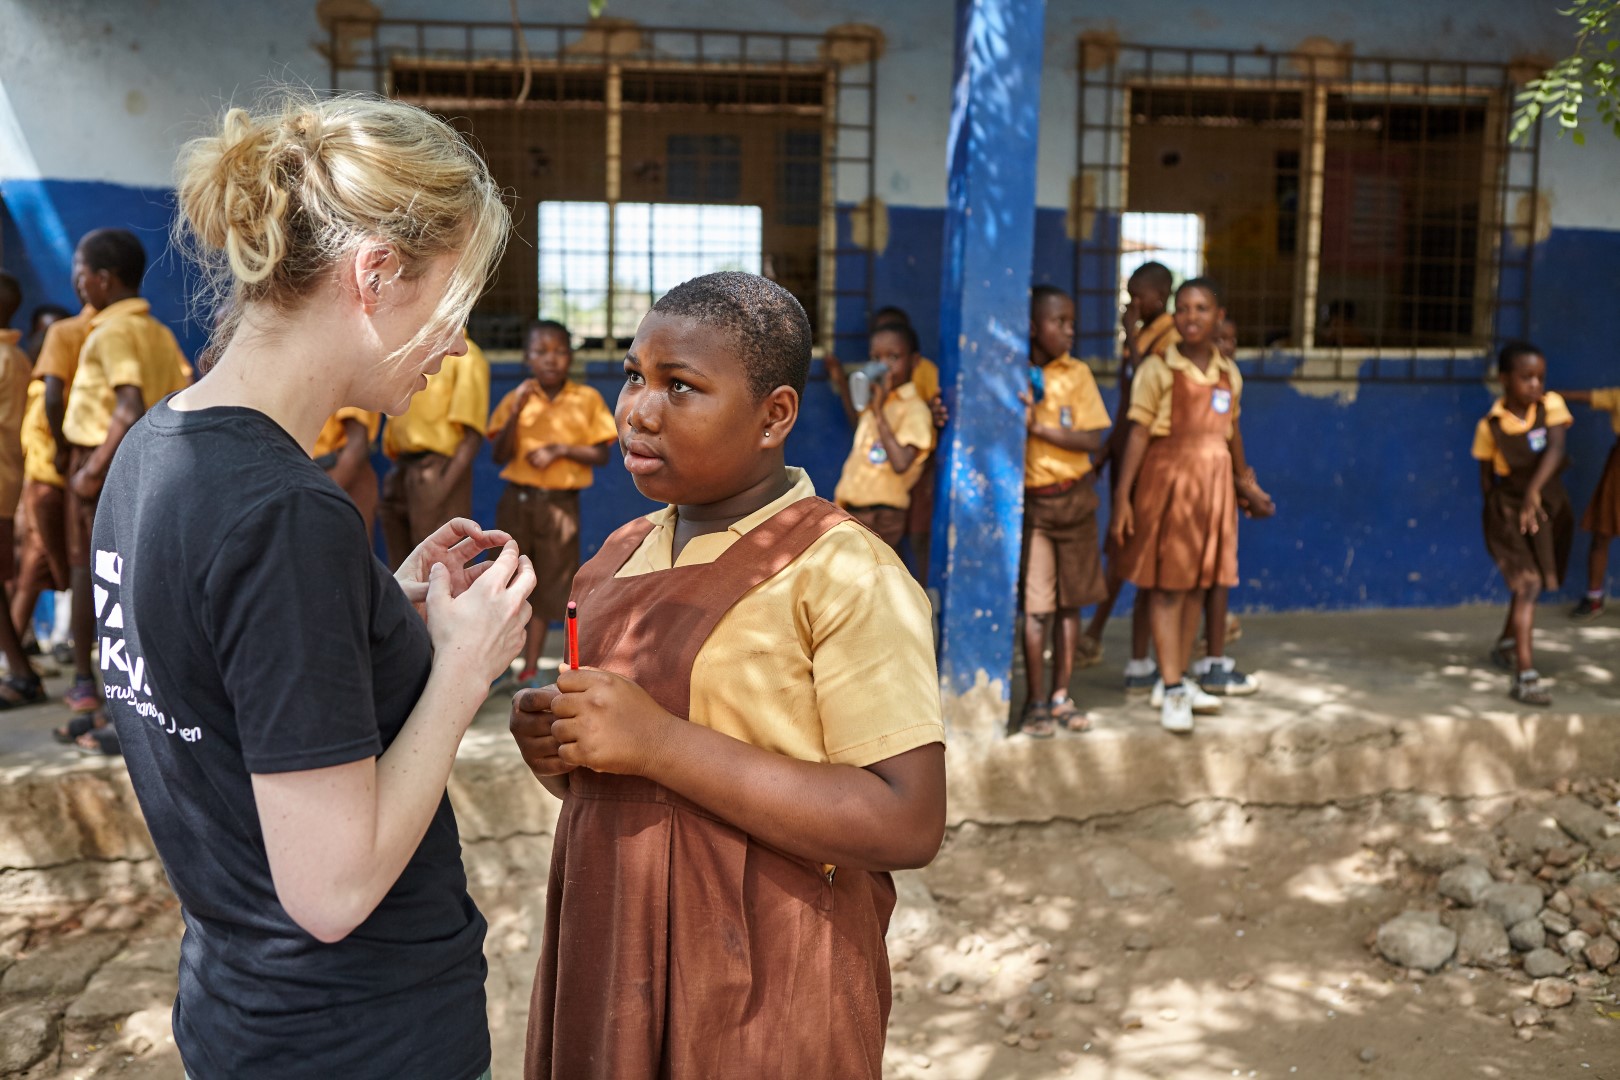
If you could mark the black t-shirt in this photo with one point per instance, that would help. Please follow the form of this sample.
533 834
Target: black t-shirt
246 627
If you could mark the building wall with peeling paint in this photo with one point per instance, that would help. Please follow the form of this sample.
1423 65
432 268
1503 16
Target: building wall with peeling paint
1378 498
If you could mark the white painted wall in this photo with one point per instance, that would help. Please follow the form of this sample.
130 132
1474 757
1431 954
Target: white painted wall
108 89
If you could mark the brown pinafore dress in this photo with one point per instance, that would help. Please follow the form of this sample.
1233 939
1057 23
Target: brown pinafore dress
1603 512
675 944
1537 561
1186 508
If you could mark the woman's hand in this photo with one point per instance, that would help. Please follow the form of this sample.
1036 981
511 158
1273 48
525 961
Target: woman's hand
607 723
454 545
480 630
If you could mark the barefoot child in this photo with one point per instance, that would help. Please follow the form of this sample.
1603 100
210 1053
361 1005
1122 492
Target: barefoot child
894 439
1602 518
1175 513
1529 525
1061 568
343 449
549 434
752 741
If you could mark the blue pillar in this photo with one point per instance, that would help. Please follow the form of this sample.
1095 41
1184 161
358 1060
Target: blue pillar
984 352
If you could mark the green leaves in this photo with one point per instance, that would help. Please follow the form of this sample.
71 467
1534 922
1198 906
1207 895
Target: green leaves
1585 75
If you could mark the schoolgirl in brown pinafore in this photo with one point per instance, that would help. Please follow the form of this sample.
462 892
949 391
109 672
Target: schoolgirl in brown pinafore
1538 560
675 944
1184 502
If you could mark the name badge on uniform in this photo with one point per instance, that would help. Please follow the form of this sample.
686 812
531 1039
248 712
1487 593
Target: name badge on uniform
1221 400
877 455
1538 440
1066 417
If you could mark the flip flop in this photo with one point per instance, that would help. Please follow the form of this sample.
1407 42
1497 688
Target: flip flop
1069 716
79 725
102 741
19 690
1037 721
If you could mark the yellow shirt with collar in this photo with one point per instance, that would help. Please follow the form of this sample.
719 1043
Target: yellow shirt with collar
868 479
1555 414
830 660
1071 401
59 357
456 398
1151 390
1157 337
334 437
126 346
577 416
925 377
14 370
1608 400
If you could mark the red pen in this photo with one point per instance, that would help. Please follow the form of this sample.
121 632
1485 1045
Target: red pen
571 655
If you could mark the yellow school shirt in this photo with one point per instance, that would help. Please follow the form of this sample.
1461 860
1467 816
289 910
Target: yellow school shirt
1151 390
925 377
830 660
58 356
1555 413
14 371
64 340
333 437
125 347
1608 399
577 416
1157 336
868 479
38 447
1072 402
456 398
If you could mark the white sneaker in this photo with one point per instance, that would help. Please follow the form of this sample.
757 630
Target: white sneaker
1201 703
1176 713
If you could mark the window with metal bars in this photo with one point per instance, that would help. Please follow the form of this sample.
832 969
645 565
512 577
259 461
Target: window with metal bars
1355 212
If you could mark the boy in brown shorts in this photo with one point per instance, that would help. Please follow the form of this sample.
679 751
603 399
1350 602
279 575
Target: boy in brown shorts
21 686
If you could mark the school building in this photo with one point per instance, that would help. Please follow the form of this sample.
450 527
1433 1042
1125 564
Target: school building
1343 171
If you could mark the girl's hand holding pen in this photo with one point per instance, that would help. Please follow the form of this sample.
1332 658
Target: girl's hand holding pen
607 723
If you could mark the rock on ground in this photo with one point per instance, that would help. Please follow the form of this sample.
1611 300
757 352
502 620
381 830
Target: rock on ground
62 967
1552 993
1585 823
1542 963
1602 952
1534 830
1481 941
1124 875
29 1033
116 993
1415 939
1527 935
1466 883
1511 903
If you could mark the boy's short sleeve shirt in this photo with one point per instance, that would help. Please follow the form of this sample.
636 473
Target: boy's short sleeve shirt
868 479
1556 412
455 399
125 347
14 369
64 339
38 445
577 416
1151 390
1608 400
830 660
925 377
1072 402
334 436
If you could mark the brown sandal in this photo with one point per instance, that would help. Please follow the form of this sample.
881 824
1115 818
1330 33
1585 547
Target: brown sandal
1037 721
1067 715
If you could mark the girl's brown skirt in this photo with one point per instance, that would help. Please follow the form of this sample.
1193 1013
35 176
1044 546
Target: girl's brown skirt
1603 512
1529 562
1186 516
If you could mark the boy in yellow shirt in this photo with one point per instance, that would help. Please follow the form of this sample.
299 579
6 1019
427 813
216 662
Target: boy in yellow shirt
343 449
433 444
894 438
22 686
1062 567
129 362
1602 517
548 434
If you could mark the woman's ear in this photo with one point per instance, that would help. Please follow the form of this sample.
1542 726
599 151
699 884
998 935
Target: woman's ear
375 267
781 413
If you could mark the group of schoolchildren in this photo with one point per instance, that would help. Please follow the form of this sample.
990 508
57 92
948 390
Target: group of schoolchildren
65 409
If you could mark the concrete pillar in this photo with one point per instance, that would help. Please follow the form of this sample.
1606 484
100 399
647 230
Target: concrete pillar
984 353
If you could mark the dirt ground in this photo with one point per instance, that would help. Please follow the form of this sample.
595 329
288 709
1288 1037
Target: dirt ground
1211 940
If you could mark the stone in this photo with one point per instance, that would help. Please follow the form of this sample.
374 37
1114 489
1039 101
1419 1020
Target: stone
1552 993
63 968
1466 883
1130 1021
1125 876
1526 1016
1572 943
1415 939
1041 988
1019 1009
1481 941
116 993
1527 935
1560 902
1533 830
1085 995
949 982
1041 1033
1602 952
1587 921
1563 856
1540 963
1511 903
1556 923
1140 941
30 1034
1028 1043
1368 1055
151 954
1592 880
1012 1038
1606 899
1581 820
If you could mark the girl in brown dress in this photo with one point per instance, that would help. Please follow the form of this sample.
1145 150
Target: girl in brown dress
1602 518
1528 521
1175 518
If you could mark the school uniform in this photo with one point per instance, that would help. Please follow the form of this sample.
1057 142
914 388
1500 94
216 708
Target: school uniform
1514 448
540 507
421 441
1603 512
1184 502
920 516
869 488
44 559
675 944
1061 568
126 346
362 487
14 374
1154 339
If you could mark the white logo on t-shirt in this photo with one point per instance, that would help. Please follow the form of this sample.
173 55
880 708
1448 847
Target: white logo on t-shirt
118 659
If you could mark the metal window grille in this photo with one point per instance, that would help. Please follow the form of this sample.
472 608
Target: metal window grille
612 119
1365 218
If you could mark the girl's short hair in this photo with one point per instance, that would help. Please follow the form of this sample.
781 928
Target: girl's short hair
1207 284
1510 355
901 330
543 326
280 193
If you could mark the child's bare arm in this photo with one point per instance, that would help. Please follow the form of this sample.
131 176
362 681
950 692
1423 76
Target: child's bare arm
888 816
1531 514
1579 397
1124 513
353 456
503 445
1068 439
900 455
1487 477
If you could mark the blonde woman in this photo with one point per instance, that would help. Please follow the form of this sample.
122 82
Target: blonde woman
290 710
